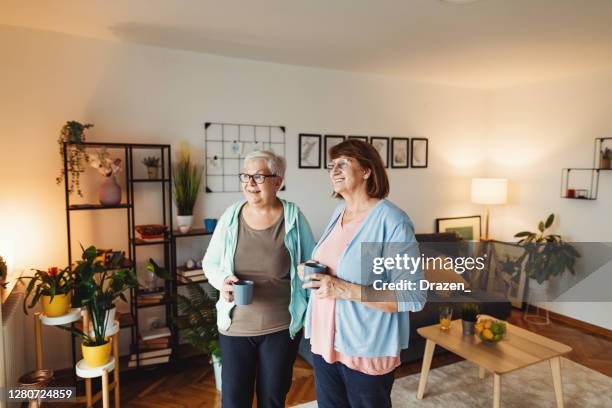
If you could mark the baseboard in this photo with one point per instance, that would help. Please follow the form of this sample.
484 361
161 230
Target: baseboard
579 324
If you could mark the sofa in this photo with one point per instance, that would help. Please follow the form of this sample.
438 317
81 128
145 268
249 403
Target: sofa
491 304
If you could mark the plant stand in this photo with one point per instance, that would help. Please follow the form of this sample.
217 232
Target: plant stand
73 316
84 371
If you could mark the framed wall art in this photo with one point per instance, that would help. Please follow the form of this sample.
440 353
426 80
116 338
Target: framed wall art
309 151
468 227
362 138
331 141
399 152
381 144
419 153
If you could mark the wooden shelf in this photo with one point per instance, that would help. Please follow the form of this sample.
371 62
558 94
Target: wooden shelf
194 232
150 180
162 302
144 242
79 207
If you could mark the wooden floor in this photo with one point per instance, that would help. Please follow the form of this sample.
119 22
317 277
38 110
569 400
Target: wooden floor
192 384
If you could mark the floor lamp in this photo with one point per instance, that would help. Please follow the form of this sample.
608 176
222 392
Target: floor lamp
489 191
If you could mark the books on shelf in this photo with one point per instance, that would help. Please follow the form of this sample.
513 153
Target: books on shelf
190 273
149 361
151 354
154 344
155 333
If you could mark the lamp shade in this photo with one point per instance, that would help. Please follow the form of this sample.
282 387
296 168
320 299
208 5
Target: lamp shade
489 191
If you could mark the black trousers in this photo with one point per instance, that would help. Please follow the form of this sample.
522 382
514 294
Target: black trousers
260 363
341 387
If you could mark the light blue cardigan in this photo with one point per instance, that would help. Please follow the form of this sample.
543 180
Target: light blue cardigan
218 262
362 331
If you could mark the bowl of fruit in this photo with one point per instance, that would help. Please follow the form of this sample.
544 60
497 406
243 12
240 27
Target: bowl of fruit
490 331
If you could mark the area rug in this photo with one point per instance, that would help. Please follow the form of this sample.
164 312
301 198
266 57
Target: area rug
457 385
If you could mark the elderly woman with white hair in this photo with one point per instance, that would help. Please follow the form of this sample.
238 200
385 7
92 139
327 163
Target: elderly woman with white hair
261 239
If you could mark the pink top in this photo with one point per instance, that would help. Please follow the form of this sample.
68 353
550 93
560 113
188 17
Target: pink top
323 311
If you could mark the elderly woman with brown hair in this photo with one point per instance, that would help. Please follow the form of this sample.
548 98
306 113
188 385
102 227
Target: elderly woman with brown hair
356 337
262 239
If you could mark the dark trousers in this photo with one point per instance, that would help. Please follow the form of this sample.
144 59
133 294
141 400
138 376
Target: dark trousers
260 363
341 387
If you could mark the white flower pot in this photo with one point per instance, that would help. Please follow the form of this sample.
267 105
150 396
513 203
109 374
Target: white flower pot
110 320
538 289
217 370
184 222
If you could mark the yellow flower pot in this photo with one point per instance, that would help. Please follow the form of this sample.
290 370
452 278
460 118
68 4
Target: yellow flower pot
96 356
59 306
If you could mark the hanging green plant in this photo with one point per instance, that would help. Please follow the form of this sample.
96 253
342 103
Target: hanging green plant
73 133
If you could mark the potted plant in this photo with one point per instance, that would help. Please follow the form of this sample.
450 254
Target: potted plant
52 287
197 324
73 133
605 161
187 179
469 317
548 255
109 192
3 272
152 164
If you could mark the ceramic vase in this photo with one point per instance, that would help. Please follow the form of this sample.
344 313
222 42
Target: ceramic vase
109 192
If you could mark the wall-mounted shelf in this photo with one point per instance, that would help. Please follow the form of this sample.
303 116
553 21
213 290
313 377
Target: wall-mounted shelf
582 183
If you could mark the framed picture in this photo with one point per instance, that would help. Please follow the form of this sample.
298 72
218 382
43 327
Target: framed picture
309 151
399 152
418 152
468 227
507 271
363 138
381 144
331 141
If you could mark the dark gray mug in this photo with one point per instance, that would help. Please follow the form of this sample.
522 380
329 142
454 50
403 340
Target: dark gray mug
243 292
313 267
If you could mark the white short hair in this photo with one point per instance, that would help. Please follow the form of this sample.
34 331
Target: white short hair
276 164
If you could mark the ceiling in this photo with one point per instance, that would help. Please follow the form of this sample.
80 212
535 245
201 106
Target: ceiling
482 44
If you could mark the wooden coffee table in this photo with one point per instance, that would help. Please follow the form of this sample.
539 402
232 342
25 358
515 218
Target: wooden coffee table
520 348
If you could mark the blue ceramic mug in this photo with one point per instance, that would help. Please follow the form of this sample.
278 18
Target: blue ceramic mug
210 224
243 292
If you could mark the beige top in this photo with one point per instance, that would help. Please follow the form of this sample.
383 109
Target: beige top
261 256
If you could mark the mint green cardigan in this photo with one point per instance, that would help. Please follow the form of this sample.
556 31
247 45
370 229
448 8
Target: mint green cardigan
218 262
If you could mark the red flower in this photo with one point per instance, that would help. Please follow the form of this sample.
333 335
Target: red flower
53 271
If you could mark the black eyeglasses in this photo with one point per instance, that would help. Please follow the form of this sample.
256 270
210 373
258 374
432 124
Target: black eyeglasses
259 178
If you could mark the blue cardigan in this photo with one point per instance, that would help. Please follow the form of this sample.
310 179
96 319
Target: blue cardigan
362 331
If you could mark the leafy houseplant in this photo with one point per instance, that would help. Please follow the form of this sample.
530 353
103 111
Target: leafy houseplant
53 287
73 133
152 164
197 324
187 180
3 272
548 254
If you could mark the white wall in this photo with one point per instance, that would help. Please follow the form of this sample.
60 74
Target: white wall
151 95
536 130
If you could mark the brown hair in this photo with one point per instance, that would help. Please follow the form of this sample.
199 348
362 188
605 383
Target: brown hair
368 158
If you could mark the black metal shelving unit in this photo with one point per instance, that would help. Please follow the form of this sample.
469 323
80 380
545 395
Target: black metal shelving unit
175 236
131 320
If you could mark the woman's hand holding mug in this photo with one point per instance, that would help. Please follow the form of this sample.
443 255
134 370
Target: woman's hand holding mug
228 288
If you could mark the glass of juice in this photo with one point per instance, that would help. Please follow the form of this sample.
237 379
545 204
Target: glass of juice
446 316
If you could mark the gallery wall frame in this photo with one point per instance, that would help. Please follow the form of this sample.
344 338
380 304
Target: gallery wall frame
400 152
362 138
381 144
329 142
419 152
309 151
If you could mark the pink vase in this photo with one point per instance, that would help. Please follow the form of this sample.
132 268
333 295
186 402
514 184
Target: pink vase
109 192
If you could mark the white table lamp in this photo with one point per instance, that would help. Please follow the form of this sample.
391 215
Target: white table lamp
489 191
